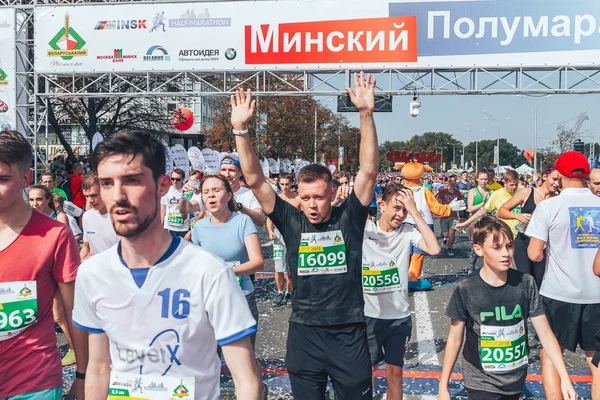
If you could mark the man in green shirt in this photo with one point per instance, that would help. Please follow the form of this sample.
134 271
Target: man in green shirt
47 179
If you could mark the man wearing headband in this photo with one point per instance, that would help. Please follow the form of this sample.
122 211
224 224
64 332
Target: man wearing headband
570 290
246 202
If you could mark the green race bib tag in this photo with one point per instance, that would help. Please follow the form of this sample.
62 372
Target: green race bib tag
277 252
18 307
322 253
233 264
503 348
380 277
175 219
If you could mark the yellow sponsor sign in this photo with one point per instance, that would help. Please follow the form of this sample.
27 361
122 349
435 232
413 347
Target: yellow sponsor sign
62 53
371 272
310 249
495 343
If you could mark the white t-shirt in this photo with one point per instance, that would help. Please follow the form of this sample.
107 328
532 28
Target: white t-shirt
379 250
422 206
71 209
73 225
198 199
188 302
173 219
571 245
246 197
98 231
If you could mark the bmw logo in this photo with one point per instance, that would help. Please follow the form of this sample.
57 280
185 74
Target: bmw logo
230 53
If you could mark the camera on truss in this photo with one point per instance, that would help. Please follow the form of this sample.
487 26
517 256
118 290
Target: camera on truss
413 106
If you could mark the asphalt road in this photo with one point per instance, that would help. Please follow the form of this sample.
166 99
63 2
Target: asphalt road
425 351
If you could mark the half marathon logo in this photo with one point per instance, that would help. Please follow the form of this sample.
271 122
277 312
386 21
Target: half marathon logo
199 55
157 53
193 19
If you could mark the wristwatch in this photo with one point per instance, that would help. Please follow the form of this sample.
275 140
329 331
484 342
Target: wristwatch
240 206
240 133
80 375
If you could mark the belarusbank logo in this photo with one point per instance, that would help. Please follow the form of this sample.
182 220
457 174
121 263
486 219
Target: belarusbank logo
3 78
67 43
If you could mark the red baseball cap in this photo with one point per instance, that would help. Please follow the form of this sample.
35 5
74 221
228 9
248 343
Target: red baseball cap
570 161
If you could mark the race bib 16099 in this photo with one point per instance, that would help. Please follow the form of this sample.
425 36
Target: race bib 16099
322 253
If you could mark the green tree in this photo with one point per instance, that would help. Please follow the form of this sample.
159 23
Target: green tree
509 154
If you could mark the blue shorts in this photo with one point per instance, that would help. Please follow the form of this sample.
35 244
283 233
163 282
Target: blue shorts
415 249
48 394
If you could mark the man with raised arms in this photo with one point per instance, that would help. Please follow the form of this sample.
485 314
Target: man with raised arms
327 331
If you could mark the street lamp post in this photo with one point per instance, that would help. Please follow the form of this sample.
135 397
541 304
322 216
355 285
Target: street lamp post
489 117
315 144
535 127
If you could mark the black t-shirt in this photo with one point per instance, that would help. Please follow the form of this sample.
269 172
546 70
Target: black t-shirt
504 311
322 295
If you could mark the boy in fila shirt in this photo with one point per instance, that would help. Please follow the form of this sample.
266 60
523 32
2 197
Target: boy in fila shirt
155 306
386 254
492 305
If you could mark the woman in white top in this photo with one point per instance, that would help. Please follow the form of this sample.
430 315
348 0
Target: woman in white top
59 201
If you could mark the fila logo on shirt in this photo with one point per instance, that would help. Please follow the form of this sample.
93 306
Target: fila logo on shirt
162 350
501 314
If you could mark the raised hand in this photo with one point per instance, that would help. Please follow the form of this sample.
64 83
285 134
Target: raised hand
342 194
242 109
363 95
407 198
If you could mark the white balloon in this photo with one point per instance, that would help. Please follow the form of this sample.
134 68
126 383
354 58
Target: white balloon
180 159
212 160
196 158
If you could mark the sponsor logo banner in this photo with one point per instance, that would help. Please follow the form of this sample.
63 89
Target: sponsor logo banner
276 35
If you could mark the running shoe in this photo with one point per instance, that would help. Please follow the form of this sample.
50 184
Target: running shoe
69 358
421 284
288 298
265 391
278 299
445 241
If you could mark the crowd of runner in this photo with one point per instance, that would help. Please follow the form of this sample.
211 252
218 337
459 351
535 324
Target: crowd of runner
151 275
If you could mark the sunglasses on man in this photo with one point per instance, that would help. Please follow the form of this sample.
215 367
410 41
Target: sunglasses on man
175 179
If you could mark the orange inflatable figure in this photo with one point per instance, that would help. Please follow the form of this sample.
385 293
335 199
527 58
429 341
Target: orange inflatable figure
413 169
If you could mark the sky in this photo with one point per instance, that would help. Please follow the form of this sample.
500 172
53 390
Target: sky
444 113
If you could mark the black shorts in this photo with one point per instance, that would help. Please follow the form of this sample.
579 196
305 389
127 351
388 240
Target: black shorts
482 395
340 352
573 324
596 358
387 339
524 264
373 211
